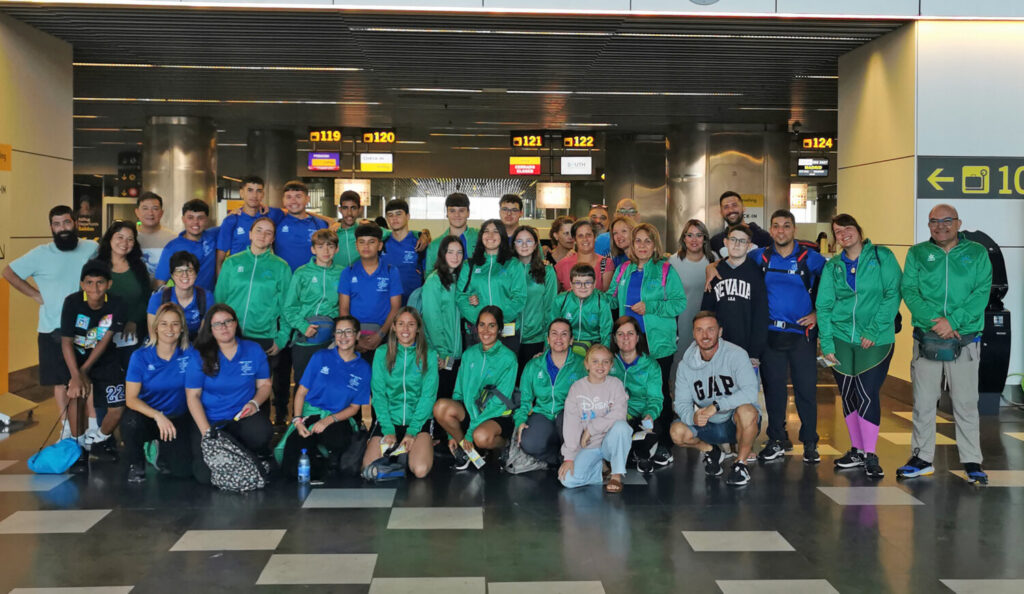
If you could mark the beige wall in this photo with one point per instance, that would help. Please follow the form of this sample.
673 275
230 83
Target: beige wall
35 119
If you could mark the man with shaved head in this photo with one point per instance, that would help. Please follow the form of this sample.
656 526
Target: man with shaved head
946 284
625 208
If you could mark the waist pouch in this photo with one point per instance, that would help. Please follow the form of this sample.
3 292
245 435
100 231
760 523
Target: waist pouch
933 347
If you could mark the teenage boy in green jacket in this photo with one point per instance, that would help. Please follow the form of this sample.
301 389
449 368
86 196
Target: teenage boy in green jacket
311 303
588 311
543 387
456 207
254 283
946 286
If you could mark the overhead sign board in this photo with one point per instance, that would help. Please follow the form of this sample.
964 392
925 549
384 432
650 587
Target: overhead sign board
324 162
377 162
818 142
325 134
533 139
812 167
578 141
577 165
970 177
379 136
524 165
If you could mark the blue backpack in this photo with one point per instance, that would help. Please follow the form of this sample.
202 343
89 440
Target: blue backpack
57 458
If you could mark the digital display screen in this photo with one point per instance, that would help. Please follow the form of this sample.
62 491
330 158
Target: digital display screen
812 167
377 162
524 165
324 162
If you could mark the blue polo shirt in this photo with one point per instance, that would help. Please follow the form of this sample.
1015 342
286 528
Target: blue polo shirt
205 250
370 295
294 239
193 317
163 382
636 281
788 299
403 256
333 383
226 393
234 230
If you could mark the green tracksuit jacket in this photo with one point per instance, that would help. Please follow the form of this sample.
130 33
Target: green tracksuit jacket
538 394
535 317
503 285
496 367
441 319
591 319
663 302
255 287
406 394
643 384
954 286
313 291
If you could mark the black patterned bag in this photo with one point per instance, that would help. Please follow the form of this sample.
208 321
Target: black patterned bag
232 467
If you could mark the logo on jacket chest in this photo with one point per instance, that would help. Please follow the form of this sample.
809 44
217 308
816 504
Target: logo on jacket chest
713 387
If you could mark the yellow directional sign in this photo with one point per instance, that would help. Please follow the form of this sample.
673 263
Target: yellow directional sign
970 177
935 180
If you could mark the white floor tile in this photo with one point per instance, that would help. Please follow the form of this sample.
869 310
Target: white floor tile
31 482
776 587
999 478
318 569
545 588
985 586
453 585
52 522
870 496
87 590
229 540
904 438
1016 435
736 541
436 518
909 415
350 498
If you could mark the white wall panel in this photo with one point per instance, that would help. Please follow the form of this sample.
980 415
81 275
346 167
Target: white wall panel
751 6
907 8
980 8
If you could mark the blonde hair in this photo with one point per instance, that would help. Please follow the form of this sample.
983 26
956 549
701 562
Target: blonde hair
648 228
172 308
595 348
613 249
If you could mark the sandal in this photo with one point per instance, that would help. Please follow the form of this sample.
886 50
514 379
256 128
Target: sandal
614 485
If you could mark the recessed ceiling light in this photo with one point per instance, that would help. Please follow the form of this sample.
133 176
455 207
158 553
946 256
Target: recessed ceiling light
212 67
86 117
818 76
436 90
232 101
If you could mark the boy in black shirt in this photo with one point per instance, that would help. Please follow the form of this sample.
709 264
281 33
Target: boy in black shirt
88 322
738 298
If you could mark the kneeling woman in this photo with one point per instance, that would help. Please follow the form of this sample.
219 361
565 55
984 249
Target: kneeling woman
479 413
404 390
225 387
155 396
335 384
641 376
594 428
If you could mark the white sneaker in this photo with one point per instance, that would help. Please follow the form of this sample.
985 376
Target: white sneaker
94 436
65 432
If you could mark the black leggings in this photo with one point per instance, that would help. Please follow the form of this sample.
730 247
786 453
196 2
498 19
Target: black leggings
253 432
642 448
667 411
138 429
336 438
542 438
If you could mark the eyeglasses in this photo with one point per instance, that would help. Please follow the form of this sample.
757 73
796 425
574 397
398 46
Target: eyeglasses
507 210
345 332
737 240
184 271
695 236
946 222
223 324
583 284
526 242
626 211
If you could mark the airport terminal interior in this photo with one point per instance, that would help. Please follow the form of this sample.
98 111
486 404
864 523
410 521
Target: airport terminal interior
887 111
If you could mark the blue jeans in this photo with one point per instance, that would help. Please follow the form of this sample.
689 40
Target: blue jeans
614 448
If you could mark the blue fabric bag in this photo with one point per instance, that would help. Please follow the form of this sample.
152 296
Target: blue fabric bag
55 459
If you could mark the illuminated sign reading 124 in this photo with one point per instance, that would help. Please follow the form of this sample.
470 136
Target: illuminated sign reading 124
818 143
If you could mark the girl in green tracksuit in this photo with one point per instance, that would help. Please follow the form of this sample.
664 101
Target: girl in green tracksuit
404 388
313 293
641 375
541 287
585 308
441 319
858 297
493 276
479 413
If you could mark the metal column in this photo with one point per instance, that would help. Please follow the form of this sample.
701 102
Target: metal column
179 162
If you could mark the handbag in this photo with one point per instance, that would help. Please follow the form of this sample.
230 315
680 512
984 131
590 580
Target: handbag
232 467
518 462
933 347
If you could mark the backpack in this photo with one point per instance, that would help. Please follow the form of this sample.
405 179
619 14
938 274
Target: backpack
801 267
491 390
517 461
622 270
232 467
200 296
416 299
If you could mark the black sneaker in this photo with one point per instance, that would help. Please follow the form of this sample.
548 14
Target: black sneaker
81 466
975 475
713 459
773 450
645 465
739 475
662 457
852 459
871 466
136 473
915 467
787 445
462 461
811 455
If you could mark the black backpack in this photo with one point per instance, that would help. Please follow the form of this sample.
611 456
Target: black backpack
232 467
810 282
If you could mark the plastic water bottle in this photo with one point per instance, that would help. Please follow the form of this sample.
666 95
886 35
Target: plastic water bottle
304 468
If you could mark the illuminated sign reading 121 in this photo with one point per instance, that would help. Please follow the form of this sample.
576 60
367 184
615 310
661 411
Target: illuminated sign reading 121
527 139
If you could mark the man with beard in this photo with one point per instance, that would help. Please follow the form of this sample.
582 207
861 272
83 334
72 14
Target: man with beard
54 266
730 204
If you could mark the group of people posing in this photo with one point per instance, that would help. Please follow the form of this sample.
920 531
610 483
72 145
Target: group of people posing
595 354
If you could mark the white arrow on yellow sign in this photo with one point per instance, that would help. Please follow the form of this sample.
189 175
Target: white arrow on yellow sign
935 180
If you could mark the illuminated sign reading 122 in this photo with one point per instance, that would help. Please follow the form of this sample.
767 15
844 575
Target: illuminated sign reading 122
578 141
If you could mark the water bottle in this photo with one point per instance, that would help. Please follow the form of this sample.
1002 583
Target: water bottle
304 468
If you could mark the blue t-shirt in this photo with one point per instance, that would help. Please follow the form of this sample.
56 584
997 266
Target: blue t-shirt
552 368
163 382
56 274
294 239
226 393
205 250
636 281
193 317
788 299
603 244
403 256
333 383
370 295
851 271
234 230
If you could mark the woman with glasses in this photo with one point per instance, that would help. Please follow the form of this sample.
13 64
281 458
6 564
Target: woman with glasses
404 390
858 298
648 291
441 318
225 387
194 300
561 240
155 397
494 276
335 384
690 263
583 234
541 288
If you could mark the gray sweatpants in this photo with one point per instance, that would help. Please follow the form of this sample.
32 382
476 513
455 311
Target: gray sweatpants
962 377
